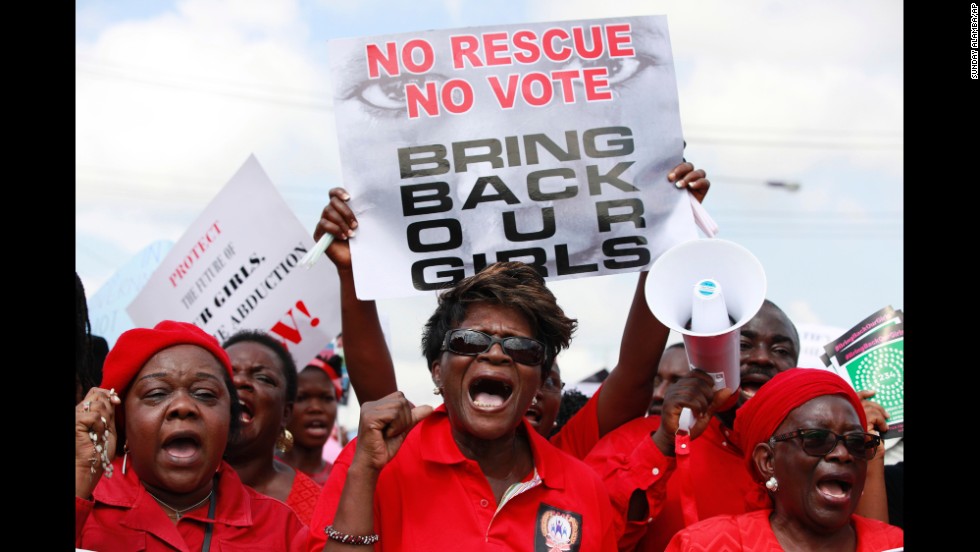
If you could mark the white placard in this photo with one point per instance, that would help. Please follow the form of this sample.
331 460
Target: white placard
548 143
237 267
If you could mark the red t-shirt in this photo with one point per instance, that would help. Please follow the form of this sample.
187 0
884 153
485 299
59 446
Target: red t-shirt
431 497
303 496
752 531
122 516
627 459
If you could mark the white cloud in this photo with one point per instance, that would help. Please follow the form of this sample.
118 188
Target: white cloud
240 14
455 9
169 106
835 31
800 312
196 92
131 228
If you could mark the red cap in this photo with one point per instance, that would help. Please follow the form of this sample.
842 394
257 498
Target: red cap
135 347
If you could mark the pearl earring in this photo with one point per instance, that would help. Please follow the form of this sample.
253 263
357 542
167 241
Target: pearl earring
436 391
772 484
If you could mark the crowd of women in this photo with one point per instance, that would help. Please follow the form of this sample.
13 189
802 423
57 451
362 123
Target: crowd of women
188 444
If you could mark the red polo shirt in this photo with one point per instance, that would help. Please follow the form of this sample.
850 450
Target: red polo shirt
431 497
752 531
122 516
627 459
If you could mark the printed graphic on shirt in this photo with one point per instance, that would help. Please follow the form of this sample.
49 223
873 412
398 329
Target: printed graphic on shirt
558 530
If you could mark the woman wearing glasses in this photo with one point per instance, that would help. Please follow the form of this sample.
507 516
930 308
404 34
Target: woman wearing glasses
489 345
623 396
494 400
805 443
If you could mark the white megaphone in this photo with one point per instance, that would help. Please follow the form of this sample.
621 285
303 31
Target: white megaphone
706 289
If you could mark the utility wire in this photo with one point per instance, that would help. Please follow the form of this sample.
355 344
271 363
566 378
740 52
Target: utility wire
216 88
774 130
692 140
281 95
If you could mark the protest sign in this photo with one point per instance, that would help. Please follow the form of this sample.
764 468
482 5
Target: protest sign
872 322
548 143
871 356
237 267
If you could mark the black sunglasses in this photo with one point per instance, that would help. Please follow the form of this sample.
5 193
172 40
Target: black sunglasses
472 342
819 442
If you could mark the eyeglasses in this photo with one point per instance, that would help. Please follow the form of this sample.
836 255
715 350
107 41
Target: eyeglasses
819 442
472 342
551 385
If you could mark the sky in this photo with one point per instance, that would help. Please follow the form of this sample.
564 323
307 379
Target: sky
173 96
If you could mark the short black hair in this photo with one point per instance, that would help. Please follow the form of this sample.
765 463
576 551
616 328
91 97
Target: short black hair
571 402
336 362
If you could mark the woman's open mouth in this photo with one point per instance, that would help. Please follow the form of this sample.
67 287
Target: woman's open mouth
317 428
246 412
534 415
488 393
182 447
836 489
749 385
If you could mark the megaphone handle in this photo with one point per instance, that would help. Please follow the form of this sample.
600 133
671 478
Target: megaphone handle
701 216
686 420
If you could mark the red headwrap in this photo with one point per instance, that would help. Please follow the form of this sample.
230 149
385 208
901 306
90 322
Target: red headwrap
331 373
757 419
135 347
